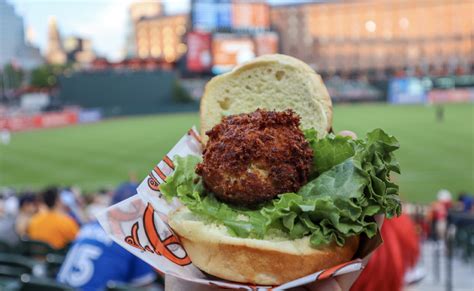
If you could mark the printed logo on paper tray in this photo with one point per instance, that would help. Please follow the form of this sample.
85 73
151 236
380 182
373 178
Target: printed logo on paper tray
190 143
160 172
153 183
167 247
332 271
194 134
116 216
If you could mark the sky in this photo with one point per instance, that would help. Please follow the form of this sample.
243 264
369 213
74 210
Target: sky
103 21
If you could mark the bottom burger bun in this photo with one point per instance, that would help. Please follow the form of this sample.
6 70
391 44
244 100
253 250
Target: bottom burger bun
264 262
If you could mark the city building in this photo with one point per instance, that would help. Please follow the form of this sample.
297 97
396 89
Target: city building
219 15
129 49
78 50
225 33
145 9
13 48
55 53
343 36
137 11
161 36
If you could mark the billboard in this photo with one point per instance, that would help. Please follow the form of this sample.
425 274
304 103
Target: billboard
406 91
230 50
203 14
451 95
250 14
42 120
89 115
211 14
214 14
198 57
224 13
266 43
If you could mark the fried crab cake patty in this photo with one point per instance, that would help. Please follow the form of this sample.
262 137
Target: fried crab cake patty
251 158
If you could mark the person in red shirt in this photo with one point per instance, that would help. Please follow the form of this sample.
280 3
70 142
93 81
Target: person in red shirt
386 267
439 214
399 253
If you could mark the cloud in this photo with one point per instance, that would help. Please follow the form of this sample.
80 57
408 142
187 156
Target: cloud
176 6
106 27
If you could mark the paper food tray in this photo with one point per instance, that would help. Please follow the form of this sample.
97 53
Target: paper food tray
139 224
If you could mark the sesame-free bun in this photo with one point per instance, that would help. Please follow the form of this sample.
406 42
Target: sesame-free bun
273 82
256 261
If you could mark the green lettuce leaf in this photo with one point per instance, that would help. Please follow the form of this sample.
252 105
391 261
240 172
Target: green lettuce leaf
328 151
343 179
352 185
181 183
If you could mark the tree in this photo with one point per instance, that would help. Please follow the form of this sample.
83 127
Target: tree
11 77
46 76
42 77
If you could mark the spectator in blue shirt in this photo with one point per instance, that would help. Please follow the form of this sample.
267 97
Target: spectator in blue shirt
467 201
94 260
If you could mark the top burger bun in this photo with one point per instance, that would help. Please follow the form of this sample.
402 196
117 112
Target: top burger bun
271 261
271 82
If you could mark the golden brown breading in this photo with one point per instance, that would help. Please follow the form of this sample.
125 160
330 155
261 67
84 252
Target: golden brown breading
251 158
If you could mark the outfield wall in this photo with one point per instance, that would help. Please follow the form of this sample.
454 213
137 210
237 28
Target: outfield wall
49 119
120 93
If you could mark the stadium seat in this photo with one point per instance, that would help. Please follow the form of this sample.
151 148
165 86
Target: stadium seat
465 241
37 249
15 265
4 247
112 286
53 264
11 271
9 284
30 283
63 251
464 237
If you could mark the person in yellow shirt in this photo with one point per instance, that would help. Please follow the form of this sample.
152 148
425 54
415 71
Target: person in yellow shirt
52 225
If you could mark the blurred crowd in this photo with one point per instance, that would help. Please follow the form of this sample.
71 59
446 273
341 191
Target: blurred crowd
432 219
64 219
24 214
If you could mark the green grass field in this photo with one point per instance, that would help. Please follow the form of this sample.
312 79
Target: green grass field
433 154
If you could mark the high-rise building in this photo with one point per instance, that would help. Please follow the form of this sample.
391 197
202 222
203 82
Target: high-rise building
139 10
78 50
162 37
372 34
130 49
13 47
145 9
55 53
11 32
